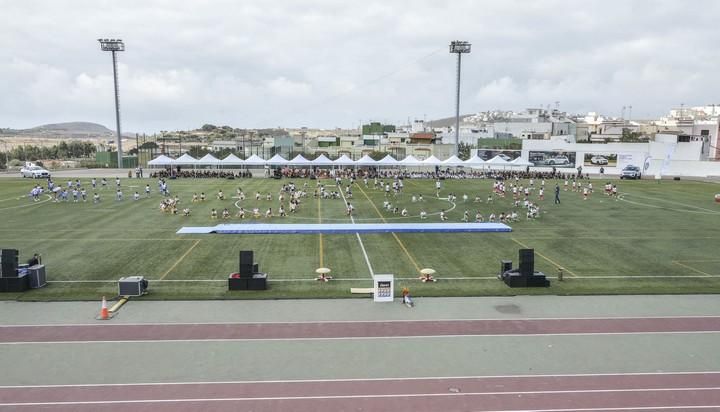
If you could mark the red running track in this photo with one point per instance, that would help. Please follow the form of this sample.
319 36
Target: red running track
626 392
329 330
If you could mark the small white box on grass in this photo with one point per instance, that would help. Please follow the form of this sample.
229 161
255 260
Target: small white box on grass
384 286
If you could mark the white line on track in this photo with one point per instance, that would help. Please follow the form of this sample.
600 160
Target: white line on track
343 338
362 247
359 321
365 396
411 378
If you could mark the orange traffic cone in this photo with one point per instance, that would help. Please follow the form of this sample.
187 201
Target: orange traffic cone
104 315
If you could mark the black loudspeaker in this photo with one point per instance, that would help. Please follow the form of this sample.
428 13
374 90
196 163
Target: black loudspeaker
527 262
258 282
15 284
246 268
237 283
505 265
246 271
246 257
516 280
255 268
8 263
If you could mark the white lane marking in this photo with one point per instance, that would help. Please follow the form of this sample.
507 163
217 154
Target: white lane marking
361 321
412 378
341 338
366 396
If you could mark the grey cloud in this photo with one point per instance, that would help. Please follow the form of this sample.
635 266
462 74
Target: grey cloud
330 63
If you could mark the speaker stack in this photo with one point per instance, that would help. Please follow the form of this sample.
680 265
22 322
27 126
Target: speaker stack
8 263
248 276
525 275
10 279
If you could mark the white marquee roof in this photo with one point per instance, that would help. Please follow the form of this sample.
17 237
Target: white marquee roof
161 160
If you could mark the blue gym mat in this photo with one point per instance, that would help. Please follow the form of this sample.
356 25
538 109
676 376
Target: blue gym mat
344 228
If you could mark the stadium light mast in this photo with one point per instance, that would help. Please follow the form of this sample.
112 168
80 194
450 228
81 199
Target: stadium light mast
115 45
458 47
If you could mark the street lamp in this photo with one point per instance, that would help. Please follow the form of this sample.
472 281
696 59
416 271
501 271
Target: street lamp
458 47
115 45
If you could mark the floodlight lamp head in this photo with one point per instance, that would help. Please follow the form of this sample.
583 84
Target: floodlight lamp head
111 45
458 46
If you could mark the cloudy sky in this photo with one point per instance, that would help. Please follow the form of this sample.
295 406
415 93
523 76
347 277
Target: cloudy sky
334 64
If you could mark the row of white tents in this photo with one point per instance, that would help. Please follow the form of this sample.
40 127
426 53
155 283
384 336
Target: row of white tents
322 160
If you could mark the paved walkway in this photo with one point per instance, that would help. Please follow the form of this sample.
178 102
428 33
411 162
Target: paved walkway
518 307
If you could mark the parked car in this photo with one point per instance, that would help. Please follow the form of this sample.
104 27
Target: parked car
35 172
630 172
558 160
598 160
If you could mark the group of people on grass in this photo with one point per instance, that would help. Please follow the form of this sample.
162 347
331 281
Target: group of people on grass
527 191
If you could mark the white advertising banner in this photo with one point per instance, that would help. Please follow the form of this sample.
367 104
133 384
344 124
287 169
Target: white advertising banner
631 158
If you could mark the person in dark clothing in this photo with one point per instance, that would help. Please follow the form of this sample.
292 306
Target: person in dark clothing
557 194
35 260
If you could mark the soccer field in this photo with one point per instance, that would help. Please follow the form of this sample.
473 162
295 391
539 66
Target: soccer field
657 238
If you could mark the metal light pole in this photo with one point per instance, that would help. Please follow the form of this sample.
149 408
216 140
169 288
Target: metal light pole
458 47
115 45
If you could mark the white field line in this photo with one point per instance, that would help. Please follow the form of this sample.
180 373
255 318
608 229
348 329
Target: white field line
580 277
673 202
362 247
49 198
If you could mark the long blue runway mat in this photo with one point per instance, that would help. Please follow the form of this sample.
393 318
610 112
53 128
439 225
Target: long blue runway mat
344 228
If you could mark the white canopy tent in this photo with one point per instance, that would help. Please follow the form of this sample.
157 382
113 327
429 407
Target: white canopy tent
387 161
410 161
453 161
343 161
161 160
366 161
277 160
521 162
208 160
432 161
231 160
185 160
254 160
298 160
474 161
497 161
322 160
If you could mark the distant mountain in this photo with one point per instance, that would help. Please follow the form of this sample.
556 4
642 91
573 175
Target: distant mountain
69 130
72 128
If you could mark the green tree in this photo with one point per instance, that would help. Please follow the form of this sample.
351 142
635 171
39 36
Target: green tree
464 151
197 151
375 155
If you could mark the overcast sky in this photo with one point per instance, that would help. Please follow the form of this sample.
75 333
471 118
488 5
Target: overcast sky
334 64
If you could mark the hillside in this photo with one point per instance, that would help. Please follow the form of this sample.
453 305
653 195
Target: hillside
72 128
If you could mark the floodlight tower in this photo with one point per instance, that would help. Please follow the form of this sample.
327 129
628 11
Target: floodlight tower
458 47
115 45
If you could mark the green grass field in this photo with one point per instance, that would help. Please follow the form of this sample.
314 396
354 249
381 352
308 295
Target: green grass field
659 238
